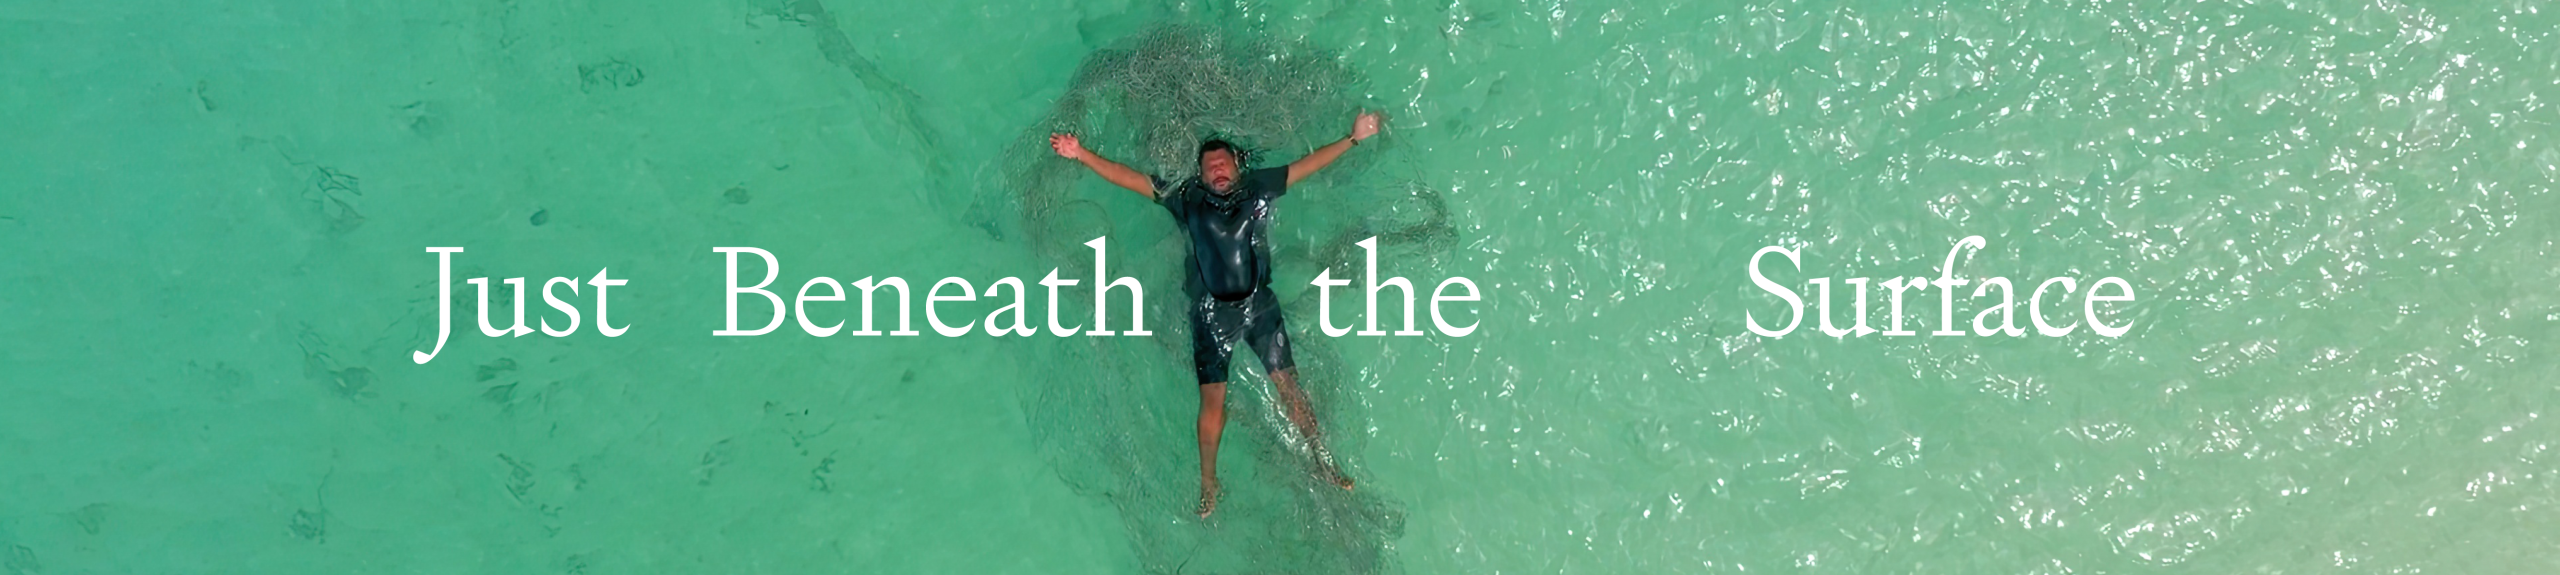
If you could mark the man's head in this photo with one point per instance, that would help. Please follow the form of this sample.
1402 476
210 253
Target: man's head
1218 165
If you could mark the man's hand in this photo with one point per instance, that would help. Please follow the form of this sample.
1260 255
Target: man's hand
1067 146
1362 128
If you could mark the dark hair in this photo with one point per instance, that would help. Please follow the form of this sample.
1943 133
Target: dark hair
1215 144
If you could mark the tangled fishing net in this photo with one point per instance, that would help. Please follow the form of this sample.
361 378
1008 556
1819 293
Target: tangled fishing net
1115 418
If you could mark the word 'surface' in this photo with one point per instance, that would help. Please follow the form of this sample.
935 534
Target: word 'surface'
1946 285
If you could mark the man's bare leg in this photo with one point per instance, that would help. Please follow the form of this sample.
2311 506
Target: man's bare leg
1305 418
1213 421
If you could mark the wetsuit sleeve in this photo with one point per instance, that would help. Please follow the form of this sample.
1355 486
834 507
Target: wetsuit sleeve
1272 181
1164 195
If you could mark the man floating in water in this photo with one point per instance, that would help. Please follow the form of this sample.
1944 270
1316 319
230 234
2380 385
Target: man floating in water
1227 214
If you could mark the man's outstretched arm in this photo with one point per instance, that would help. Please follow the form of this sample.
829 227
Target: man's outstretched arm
1361 129
1067 147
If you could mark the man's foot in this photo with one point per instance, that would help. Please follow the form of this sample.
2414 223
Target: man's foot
1327 472
1208 498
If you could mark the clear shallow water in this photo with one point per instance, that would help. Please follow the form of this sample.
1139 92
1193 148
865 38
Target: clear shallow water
2336 216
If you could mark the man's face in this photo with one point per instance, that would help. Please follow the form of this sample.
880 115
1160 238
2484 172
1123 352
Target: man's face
1218 169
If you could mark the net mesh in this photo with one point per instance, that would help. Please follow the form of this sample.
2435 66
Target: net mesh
1116 419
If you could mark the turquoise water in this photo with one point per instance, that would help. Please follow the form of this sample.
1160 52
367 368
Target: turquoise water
2336 216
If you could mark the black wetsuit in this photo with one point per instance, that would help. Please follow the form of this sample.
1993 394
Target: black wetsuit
1228 275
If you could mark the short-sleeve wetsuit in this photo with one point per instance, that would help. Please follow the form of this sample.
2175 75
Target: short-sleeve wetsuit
1228 276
